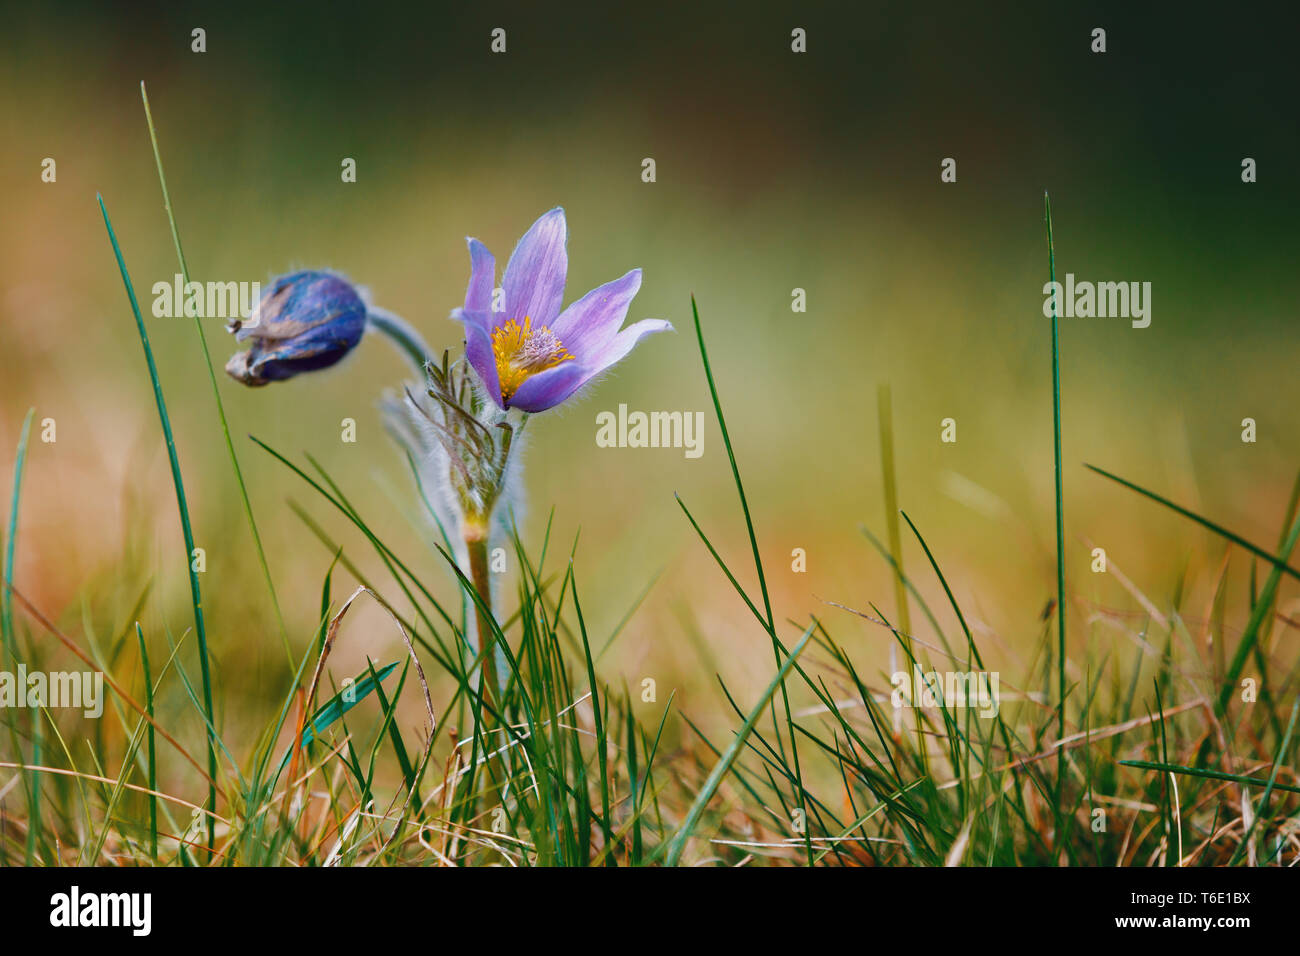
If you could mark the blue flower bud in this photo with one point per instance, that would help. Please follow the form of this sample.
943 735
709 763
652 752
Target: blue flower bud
305 321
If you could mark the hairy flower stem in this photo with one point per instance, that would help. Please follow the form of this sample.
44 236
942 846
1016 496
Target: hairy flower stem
401 335
476 542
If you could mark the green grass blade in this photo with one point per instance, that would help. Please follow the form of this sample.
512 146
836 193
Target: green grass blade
961 618
714 780
339 704
34 813
216 392
758 566
149 743
884 407
1263 608
6 600
32 782
602 745
1272 785
1207 774
735 470
197 597
1277 562
1060 508
335 708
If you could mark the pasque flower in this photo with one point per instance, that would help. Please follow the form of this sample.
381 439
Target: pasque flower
530 355
303 322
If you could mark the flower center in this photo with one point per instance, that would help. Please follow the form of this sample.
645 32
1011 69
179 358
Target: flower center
522 351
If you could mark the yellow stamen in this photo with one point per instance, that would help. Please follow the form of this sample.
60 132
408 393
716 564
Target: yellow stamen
522 351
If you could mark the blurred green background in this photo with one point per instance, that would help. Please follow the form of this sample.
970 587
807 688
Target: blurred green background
774 171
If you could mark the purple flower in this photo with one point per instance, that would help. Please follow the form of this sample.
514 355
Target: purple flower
531 356
303 322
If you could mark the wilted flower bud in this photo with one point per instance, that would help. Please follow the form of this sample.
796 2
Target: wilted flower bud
305 321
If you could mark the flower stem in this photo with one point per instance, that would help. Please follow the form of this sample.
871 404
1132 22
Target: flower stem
401 335
476 542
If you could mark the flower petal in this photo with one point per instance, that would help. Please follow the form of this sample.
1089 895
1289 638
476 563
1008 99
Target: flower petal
481 319
588 324
482 278
547 389
618 347
550 388
534 279
478 350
